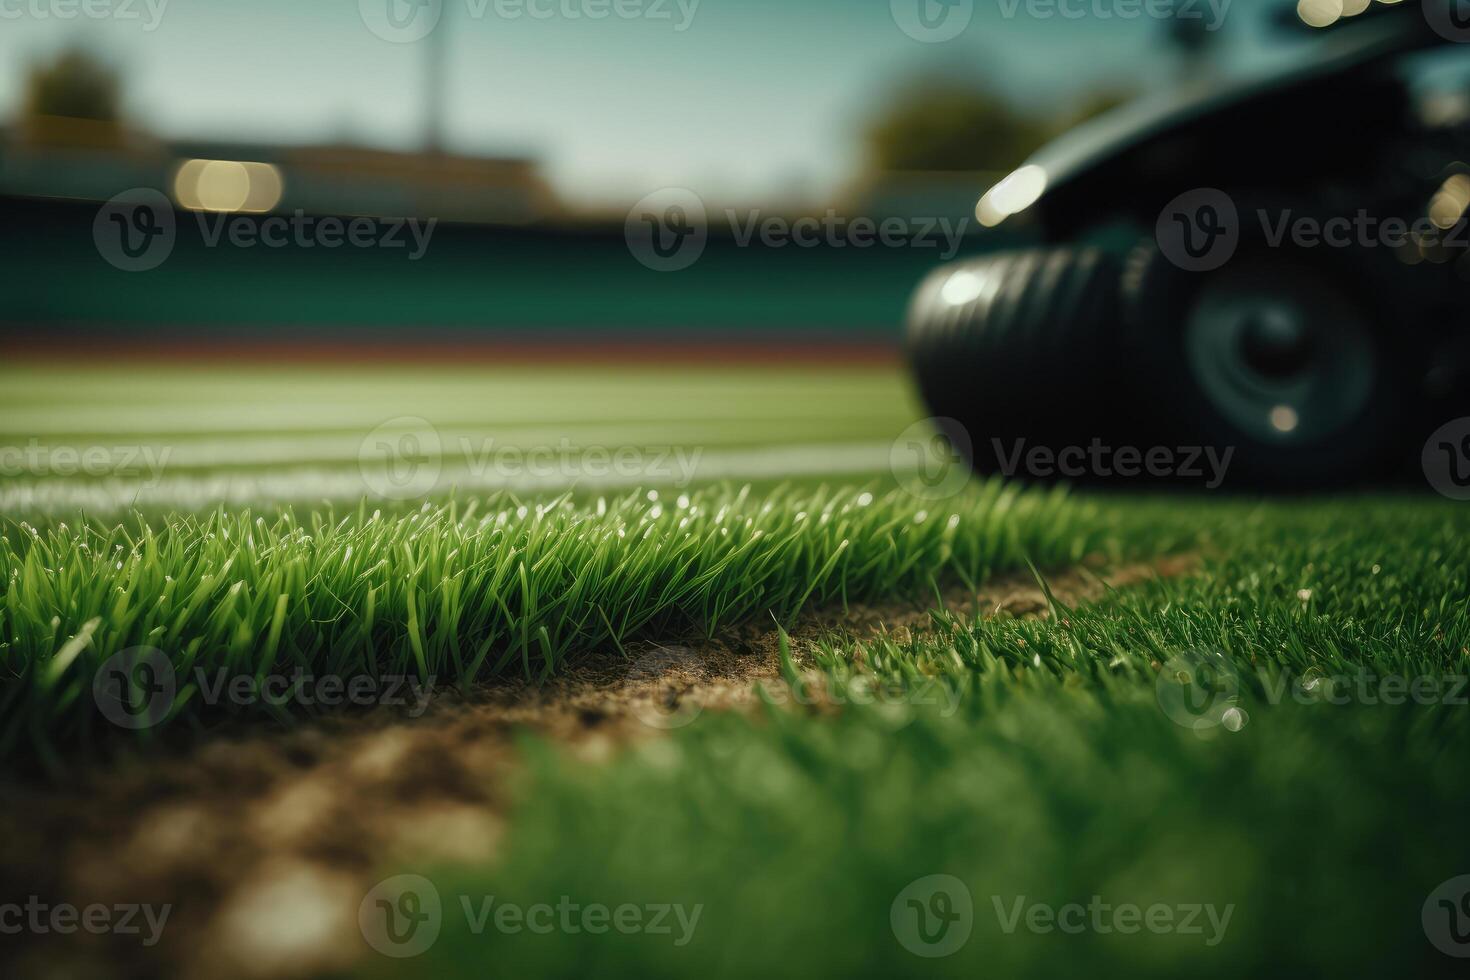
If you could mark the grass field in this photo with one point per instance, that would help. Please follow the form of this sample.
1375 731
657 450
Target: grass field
1071 761
170 438
1256 763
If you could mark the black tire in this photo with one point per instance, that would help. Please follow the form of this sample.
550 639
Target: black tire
1281 356
1019 350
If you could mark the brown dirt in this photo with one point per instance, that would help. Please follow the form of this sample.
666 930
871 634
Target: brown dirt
264 843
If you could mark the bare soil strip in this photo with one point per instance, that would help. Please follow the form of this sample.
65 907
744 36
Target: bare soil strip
264 844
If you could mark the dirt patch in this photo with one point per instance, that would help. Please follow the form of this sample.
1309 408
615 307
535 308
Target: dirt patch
262 845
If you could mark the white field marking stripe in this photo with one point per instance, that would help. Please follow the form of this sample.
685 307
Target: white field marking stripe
193 493
455 444
139 383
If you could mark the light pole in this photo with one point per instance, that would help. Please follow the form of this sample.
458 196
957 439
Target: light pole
436 79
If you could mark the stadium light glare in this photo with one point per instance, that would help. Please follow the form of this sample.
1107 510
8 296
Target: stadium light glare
228 186
1319 13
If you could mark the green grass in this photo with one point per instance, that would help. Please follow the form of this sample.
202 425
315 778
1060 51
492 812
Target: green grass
1054 774
462 593
169 439
1044 759
179 533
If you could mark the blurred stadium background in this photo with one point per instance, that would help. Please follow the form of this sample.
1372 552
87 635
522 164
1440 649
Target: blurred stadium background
528 139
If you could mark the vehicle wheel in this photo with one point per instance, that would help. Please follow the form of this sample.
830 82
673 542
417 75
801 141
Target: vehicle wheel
1277 356
1013 351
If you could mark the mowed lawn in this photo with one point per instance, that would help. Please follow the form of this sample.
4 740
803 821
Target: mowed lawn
171 437
260 521
1262 769
1259 765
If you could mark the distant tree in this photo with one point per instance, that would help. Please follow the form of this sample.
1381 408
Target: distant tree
941 124
75 83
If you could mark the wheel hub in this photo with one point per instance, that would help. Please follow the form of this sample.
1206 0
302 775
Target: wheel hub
1274 343
1280 353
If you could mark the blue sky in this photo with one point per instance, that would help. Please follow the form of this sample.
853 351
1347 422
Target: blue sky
754 99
